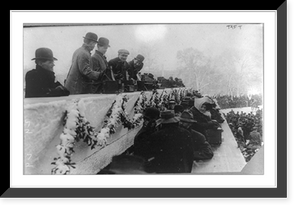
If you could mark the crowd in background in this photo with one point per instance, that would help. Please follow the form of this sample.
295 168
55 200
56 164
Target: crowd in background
230 101
247 130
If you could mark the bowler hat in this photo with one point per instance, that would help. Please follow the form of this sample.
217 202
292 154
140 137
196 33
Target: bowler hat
167 117
123 51
187 116
151 113
91 36
103 41
44 53
140 57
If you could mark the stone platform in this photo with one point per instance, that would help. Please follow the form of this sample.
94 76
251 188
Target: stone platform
43 124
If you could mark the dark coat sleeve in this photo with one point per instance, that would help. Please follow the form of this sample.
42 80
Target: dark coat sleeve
37 85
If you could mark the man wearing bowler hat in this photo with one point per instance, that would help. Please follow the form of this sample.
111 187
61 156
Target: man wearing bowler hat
40 82
120 66
135 67
171 147
202 149
81 75
100 64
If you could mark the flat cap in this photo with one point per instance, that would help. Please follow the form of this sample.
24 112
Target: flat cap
123 51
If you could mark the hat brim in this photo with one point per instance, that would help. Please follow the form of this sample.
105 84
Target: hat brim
91 39
187 120
53 58
104 45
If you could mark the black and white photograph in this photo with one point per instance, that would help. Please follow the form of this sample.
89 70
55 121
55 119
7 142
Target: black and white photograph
140 100
143 98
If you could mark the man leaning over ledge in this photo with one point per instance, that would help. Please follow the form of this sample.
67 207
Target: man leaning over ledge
40 82
81 76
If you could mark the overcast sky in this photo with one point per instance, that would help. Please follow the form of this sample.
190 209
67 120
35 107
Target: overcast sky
163 41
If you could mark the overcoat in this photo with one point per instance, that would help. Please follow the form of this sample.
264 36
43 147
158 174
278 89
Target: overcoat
40 82
81 75
172 150
203 121
100 64
202 149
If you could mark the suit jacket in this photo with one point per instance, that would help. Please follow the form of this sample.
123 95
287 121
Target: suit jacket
40 82
81 75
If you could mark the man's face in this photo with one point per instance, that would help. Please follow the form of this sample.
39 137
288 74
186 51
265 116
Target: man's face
123 57
102 49
91 45
48 65
136 62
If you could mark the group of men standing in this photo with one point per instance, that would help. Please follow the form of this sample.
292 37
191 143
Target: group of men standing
87 72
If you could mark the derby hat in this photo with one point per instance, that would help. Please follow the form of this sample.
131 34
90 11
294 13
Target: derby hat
140 57
123 51
167 117
91 36
103 42
44 53
188 117
178 108
151 113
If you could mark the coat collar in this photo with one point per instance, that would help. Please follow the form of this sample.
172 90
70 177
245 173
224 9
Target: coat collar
39 68
100 54
86 48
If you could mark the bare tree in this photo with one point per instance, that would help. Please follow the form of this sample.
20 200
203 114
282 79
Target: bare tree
195 68
240 70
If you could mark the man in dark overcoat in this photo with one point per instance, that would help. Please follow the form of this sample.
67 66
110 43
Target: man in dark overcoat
100 64
40 82
81 75
202 149
171 147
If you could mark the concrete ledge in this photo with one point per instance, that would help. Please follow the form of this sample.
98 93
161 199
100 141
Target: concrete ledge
43 124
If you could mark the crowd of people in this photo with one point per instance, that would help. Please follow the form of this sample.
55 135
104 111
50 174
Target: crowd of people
230 101
170 139
247 130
